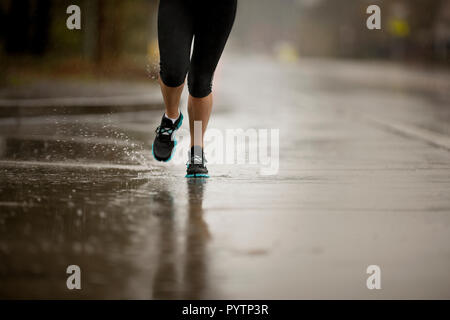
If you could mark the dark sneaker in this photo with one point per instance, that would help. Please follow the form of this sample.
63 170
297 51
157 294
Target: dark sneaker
165 143
196 165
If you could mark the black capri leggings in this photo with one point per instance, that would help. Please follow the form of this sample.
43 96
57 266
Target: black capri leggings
179 21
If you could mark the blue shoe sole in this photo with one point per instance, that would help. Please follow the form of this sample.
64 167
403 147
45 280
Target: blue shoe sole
174 144
197 175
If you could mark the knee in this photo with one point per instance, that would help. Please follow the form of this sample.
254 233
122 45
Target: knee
172 77
200 86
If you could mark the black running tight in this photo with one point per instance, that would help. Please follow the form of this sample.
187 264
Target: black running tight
208 23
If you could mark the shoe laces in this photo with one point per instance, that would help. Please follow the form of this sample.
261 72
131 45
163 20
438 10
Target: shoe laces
198 159
164 130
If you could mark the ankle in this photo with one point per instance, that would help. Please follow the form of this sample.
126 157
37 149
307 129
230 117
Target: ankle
196 155
171 116
196 148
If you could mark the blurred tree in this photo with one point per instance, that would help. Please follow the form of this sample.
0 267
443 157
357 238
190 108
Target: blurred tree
41 23
90 29
109 25
2 24
30 20
17 19
110 21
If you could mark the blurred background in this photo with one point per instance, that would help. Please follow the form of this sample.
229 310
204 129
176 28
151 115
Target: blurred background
118 38
115 39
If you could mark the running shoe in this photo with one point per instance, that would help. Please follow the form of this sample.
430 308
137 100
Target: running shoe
196 165
165 142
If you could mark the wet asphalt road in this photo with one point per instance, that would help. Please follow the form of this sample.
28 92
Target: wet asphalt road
364 178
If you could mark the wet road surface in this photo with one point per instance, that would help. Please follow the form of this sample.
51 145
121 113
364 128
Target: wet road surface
364 179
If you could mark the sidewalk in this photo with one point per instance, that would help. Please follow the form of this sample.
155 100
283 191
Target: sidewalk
364 179
75 97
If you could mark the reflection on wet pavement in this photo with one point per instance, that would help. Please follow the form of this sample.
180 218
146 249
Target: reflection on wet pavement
85 190
100 221
186 277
